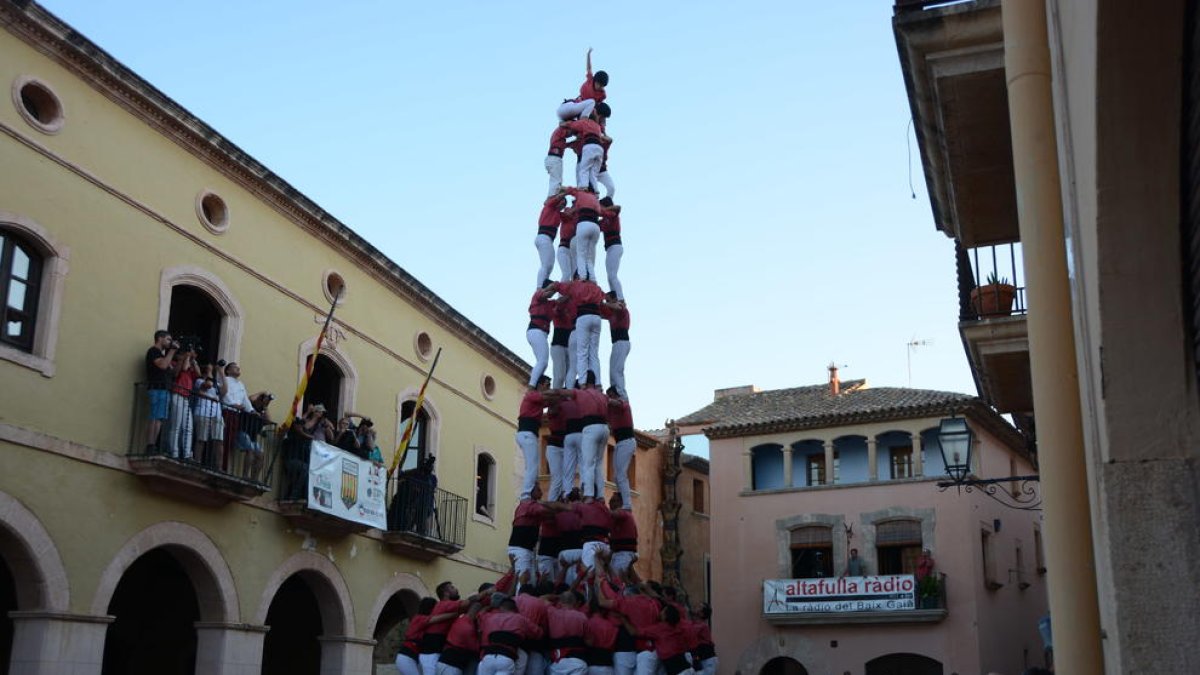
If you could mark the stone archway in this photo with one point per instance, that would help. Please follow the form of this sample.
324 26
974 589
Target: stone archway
307 607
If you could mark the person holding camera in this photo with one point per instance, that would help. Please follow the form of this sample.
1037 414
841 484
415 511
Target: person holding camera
179 423
210 427
315 426
158 382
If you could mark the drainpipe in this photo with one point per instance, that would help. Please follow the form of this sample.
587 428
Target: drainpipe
1070 560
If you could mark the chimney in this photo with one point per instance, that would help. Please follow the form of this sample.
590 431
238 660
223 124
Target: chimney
719 394
835 385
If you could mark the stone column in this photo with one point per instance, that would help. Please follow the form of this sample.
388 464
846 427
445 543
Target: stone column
829 462
229 648
872 458
1070 559
344 655
748 470
52 643
918 460
787 466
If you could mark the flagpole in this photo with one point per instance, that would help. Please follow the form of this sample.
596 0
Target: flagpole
406 438
308 368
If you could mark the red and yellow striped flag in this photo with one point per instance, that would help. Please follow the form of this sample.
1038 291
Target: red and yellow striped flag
308 369
406 437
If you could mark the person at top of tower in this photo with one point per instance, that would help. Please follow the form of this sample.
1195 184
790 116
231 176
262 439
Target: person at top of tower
592 92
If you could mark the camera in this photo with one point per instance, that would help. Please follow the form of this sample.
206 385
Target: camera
270 396
189 343
221 362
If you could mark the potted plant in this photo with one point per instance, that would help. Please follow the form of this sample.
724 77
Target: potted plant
995 298
929 592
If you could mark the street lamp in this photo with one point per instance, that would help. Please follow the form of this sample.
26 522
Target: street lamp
956 441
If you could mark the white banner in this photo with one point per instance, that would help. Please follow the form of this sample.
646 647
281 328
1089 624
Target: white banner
842 594
346 486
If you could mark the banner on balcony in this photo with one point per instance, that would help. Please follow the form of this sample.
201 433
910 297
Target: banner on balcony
346 486
842 594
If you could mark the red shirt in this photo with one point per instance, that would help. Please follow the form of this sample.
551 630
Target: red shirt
592 403
668 640
570 220
504 631
620 416
699 632
610 227
443 607
602 631
541 313
586 131
558 419
532 608
558 141
184 382
588 89
416 631
585 200
566 627
532 404
565 310
551 216
624 531
530 513
596 520
464 634
642 611
569 524
585 295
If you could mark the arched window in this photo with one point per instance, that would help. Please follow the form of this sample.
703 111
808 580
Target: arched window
485 485
898 546
325 387
20 286
418 446
812 552
766 464
193 302
195 318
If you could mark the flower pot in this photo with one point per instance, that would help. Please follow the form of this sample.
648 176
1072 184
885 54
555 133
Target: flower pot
993 299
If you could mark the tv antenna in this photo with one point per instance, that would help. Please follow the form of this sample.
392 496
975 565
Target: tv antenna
912 347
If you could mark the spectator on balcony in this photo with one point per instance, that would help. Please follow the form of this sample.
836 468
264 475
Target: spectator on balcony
315 426
925 565
242 421
179 422
414 500
855 566
210 427
158 382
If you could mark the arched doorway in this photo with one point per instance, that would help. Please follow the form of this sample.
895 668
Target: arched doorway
195 315
325 387
8 603
156 611
783 665
392 623
292 645
903 664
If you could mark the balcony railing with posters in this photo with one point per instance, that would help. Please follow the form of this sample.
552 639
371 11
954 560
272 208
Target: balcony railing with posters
425 521
201 450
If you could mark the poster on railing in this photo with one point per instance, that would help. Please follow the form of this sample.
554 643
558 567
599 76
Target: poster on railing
346 486
840 594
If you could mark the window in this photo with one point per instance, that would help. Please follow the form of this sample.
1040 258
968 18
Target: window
1022 583
38 105
485 485
325 387
212 211
698 495
816 469
902 461
1038 555
488 386
20 285
423 345
898 546
418 445
195 318
812 552
766 463
989 560
334 287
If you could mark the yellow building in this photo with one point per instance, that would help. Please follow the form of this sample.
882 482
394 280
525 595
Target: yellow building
121 213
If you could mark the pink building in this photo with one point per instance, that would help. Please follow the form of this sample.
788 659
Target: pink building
800 477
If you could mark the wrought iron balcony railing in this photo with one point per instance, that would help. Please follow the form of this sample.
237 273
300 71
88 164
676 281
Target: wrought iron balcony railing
990 281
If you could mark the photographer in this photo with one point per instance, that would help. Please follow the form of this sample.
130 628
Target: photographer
210 427
179 424
158 381
315 426
359 440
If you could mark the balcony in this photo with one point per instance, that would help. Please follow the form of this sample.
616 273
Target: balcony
203 452
424 521
319 518
842 604
993 325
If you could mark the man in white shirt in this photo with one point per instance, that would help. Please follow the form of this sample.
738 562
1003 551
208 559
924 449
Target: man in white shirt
242 420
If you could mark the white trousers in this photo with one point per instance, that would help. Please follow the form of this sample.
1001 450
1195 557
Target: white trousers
554 457
554 169
178 430
572 360
544 244
600 670
709 666
606 180
569 559
539 342
407 665
570 459
566 261
622 561
447 669
591 550
616 366
587 348
647 662
536 663
547 567
612 266
428 663
527 441
562 361
622 457
491 664
624 663
587 235
595 438
522 564
587 171
569 667
572 109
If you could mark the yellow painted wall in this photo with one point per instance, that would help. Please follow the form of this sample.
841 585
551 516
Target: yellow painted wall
121 196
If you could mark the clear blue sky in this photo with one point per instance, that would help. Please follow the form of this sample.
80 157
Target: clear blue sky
760 156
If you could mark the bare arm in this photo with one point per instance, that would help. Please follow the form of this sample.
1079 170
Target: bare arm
589 64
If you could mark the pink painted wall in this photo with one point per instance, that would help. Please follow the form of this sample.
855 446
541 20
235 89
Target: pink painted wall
985 630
